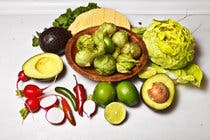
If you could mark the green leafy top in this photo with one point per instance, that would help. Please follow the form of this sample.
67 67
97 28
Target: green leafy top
65 19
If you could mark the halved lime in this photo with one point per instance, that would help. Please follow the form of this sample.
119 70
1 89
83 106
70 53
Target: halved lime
115 113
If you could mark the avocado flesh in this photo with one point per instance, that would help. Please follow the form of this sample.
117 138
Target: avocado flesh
163 78
43 66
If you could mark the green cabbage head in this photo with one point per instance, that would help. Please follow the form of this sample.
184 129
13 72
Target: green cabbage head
169 44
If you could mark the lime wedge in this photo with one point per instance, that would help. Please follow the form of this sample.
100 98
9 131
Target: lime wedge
115 113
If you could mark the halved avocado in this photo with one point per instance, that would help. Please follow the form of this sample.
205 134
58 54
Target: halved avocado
158 92
43 66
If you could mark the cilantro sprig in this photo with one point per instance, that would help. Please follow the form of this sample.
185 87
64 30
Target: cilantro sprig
65 19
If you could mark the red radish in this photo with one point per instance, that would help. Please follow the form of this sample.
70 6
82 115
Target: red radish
55 116
49 102
89 108
32 104
32 91
21 77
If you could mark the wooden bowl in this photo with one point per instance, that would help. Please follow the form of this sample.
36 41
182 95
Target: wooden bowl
90 72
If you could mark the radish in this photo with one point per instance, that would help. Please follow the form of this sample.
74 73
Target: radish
55 115
21 77
32 104
32 91
89 108
49 102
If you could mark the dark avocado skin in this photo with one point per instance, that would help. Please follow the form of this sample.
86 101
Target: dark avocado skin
153 108
54 40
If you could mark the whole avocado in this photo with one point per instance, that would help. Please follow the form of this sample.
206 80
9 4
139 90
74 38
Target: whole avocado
54 40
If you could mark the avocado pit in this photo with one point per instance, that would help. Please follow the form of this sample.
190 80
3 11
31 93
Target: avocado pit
45 65
159 92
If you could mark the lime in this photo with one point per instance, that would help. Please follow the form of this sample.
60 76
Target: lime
127 93
104 93
115 113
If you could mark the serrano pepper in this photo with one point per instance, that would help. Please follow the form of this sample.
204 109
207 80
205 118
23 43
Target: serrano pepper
67 111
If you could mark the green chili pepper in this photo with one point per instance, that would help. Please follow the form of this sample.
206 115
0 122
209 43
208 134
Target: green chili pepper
68 94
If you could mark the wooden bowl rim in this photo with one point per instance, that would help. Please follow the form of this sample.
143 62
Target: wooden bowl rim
90 72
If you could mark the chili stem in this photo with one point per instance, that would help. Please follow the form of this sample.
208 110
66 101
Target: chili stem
75 78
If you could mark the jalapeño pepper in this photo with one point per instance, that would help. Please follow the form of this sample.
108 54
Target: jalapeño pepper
68 94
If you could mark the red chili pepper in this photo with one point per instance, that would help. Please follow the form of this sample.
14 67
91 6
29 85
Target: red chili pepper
80 96
67 111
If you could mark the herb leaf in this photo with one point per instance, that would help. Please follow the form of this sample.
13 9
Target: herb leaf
35 41
65 19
